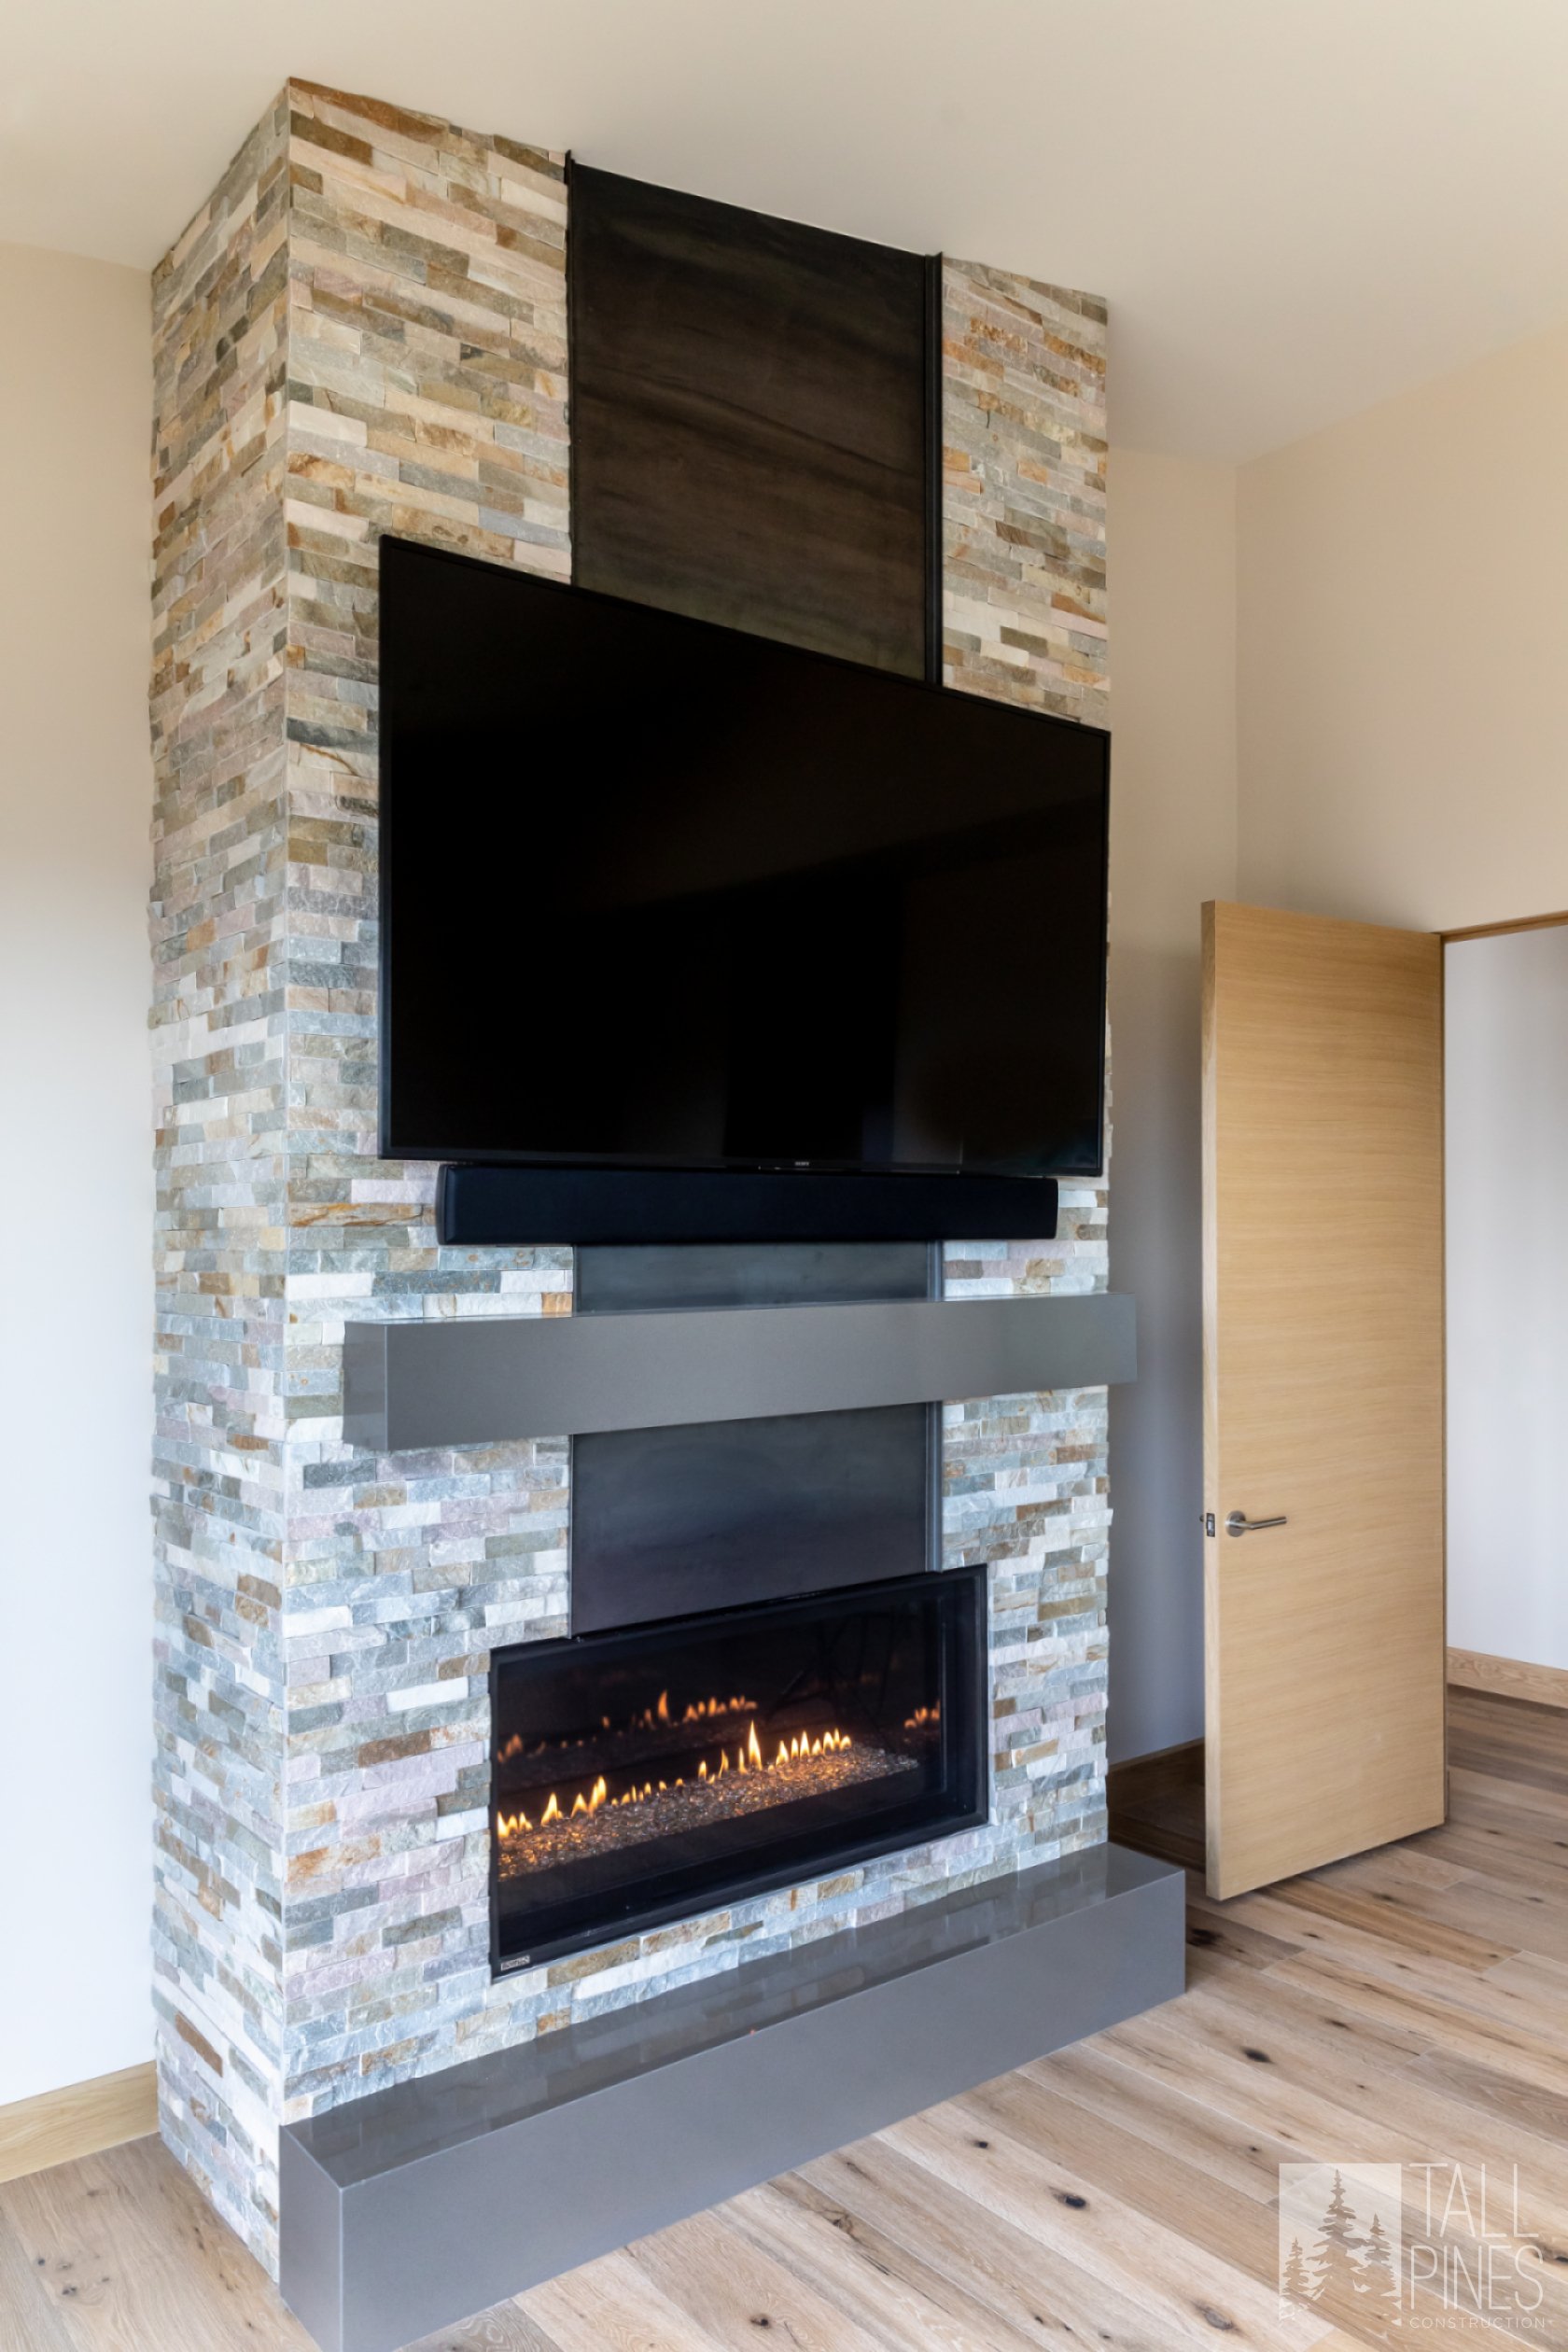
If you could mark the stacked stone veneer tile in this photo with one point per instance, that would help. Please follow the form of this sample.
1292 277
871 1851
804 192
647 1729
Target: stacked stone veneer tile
365 330
1024 455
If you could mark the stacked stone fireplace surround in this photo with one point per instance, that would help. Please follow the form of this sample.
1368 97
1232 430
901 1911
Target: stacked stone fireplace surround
365 330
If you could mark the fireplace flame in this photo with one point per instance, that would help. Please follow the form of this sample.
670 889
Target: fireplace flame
651 1719
748 1759
830 1744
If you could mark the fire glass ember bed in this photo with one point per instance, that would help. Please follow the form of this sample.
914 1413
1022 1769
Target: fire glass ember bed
646 1775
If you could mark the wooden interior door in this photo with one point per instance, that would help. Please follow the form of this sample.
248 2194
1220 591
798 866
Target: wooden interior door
1323 1182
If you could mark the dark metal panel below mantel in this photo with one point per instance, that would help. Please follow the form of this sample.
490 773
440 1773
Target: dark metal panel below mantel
487 1380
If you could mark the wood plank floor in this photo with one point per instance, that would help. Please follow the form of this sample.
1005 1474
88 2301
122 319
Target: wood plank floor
1410 2007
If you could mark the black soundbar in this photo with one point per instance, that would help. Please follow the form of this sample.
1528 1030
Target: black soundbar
510 1206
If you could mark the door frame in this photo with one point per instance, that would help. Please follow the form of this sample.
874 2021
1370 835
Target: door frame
1476 1677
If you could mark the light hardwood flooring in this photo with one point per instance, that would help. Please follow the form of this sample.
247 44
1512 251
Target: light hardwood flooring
1408 2007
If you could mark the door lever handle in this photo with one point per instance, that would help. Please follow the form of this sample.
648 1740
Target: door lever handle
1238 1523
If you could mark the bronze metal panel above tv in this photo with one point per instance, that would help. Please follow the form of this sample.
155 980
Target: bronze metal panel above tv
752 433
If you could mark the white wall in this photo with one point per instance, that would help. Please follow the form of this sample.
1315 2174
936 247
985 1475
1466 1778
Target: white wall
76 1190
1385 608
1171 532
1403 610
1506 1046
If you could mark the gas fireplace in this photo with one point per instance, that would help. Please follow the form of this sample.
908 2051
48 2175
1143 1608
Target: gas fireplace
645 1775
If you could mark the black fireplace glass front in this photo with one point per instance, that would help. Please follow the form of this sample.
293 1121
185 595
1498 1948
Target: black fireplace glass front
651 1774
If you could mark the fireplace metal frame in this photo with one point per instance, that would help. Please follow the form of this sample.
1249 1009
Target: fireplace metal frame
971 1663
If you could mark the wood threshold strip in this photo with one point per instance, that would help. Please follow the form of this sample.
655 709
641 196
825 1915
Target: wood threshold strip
58 2126
1514 1677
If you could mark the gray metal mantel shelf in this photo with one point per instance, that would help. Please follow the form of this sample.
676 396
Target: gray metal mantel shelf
490 1379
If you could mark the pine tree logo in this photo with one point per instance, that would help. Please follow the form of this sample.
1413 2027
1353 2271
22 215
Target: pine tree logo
1340 2241
1294 2284
1379 2271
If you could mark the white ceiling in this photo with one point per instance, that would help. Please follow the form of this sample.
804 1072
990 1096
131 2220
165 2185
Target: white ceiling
1295 207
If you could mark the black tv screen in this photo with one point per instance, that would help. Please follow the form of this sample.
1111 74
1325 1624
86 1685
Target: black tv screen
655 892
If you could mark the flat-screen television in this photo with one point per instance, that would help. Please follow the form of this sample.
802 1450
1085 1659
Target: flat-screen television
661 893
